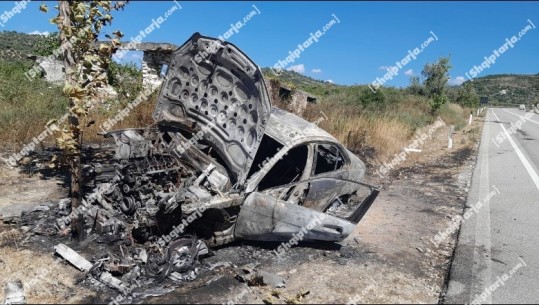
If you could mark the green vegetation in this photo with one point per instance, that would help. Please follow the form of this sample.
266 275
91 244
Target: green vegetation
380 122
17 46
436 76
385 101
125 78
466 96
315 87
415 87
47 45
25 106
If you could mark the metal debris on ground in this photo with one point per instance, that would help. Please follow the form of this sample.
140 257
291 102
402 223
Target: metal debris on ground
112 282
14 293
138 267
219 264
73 257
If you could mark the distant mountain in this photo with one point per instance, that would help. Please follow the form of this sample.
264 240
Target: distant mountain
508 88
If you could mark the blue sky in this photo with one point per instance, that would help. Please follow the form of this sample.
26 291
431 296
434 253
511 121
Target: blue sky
368 38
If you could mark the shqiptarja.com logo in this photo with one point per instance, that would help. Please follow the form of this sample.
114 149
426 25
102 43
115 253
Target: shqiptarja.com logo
15 10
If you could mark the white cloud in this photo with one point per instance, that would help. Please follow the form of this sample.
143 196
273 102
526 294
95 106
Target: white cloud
385 68
409 72
330 81
316 70
39 33
457 81
297 68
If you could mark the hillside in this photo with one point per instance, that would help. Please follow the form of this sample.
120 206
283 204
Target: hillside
520 89
300 81
17 46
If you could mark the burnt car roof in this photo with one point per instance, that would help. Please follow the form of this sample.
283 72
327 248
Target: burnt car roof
288 129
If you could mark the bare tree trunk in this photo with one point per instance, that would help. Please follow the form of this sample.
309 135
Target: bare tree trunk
74 158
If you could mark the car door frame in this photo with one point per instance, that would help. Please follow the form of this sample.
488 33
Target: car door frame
337 177
254 182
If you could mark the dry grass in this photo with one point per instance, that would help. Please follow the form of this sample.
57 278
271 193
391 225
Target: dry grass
453 114
361 131
22 131
375 136
140 116
44 278
378 136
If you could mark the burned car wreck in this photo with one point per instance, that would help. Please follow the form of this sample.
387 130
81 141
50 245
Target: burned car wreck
220 164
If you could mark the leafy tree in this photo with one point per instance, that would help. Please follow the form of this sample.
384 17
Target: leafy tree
46 46
436 76
466 96
437 102
415 87
452 93
79 24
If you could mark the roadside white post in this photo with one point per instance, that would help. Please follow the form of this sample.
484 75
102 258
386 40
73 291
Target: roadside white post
450 137
470 121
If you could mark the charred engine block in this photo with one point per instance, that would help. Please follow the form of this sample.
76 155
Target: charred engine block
145 184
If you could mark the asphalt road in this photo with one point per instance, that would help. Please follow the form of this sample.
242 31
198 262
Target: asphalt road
497 254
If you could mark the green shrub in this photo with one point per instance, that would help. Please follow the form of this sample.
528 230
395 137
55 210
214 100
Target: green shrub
436 102
370 99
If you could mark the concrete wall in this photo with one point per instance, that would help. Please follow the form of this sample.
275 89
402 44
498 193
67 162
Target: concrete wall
54 73
155 55
152 63
53 68
292 100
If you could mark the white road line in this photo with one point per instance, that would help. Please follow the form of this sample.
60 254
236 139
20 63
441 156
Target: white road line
520 155
482 271
521 117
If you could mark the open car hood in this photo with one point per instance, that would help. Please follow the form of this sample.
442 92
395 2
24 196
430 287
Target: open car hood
215 90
